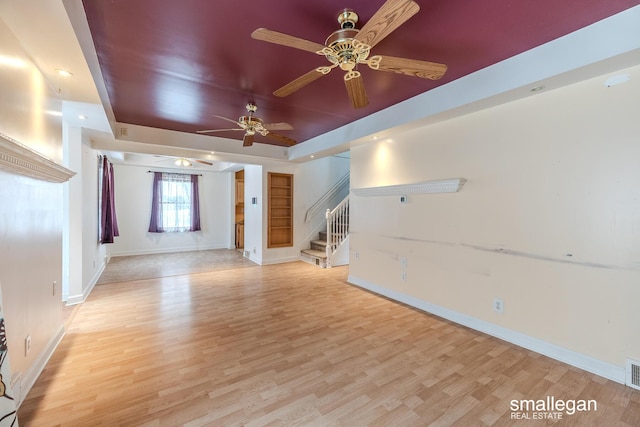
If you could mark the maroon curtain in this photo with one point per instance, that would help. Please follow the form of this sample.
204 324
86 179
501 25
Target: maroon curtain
155 224
109 222
195 204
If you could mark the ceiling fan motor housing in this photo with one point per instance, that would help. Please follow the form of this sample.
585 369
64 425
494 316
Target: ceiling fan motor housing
341 49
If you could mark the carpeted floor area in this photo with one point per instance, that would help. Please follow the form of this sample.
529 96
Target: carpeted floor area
139 267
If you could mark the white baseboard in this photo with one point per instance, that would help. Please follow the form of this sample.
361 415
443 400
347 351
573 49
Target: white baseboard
168 250
280 260
579 360
80 298
30 377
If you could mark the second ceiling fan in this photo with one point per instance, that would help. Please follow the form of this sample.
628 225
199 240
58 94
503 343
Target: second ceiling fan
348 47
251 125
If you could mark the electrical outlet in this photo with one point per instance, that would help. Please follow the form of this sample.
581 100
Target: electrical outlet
27 345
357 255
498 305
403 276
403 262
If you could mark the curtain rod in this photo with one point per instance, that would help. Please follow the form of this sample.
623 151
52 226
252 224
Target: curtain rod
178 173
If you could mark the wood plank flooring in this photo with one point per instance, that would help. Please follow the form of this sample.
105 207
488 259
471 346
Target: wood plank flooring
292 344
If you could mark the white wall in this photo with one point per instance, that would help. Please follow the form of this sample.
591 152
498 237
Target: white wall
549 222
133 209
84 258
253 214
30 216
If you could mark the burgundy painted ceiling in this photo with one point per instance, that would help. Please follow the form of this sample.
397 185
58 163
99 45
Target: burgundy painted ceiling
175 64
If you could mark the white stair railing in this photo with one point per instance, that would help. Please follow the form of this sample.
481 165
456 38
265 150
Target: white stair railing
337 227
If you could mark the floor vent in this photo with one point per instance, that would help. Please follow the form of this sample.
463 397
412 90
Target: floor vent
633 374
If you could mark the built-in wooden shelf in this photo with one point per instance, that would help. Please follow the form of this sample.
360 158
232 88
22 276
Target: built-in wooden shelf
280 210
239 209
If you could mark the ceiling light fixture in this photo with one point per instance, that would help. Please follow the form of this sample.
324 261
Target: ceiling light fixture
182 162
537 88
616 80
63 72
82 117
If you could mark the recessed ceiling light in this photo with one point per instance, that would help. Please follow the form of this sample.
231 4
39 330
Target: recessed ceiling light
617 80
537 88
312 156
64 73
82 117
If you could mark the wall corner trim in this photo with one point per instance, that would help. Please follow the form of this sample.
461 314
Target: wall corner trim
573 358
427 187
18 158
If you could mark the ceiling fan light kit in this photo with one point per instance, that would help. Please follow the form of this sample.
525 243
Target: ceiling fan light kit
348 47
182 162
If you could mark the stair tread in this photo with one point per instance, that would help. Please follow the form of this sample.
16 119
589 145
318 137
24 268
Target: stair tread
319 242
315 253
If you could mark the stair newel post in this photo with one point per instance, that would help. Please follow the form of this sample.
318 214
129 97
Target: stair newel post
328 249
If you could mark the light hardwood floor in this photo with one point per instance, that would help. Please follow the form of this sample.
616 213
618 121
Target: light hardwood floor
292 344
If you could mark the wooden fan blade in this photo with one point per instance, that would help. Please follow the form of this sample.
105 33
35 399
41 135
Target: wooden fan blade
203 162
298 83
247 141
286 40
356 91
216 130
286 141
412 67
277 126
227 119
390 16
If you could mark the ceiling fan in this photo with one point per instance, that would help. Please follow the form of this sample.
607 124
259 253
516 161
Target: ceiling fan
251 125
348 47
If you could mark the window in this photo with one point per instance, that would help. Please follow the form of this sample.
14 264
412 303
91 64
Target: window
175 205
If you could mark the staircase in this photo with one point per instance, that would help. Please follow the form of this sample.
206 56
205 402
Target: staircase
317 253
327 252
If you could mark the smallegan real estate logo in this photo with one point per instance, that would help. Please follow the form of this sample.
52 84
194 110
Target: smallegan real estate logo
549 408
